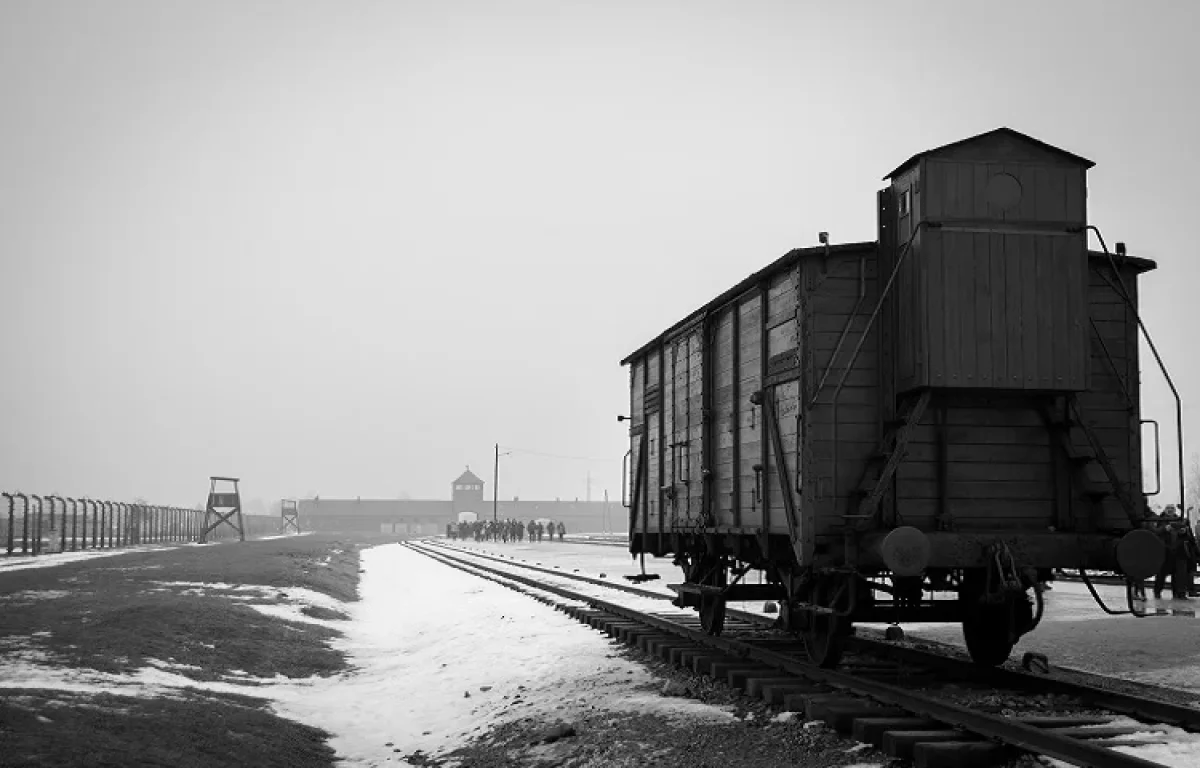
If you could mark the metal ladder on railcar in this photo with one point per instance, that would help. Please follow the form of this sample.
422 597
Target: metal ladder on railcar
1091 470
1117 283
881 467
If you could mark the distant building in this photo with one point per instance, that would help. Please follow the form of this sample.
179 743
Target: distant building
466 504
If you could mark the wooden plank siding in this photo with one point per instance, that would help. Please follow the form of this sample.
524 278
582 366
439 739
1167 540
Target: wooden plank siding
637 421
1028 335
1111 404
1000 462
838 299
749 420
782 346
654 443
723 420
993 295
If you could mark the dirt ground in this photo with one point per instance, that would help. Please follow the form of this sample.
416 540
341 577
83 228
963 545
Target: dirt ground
113 614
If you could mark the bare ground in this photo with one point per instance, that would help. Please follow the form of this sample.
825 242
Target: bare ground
115 614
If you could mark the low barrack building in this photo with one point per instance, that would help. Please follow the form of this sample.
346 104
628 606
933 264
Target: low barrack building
467 503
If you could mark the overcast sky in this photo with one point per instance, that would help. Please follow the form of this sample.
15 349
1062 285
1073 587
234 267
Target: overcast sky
345 247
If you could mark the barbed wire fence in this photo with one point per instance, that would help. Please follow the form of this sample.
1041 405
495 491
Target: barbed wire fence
32 524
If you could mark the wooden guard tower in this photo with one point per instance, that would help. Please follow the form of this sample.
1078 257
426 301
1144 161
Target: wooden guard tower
224 507
290 516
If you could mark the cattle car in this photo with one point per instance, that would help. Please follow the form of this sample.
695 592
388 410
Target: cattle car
917 429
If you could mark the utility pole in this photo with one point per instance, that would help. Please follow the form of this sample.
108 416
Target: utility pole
496 484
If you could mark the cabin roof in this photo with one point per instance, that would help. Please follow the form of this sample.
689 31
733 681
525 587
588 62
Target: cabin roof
1004 132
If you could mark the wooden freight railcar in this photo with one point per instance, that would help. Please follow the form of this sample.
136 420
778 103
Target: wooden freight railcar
951 409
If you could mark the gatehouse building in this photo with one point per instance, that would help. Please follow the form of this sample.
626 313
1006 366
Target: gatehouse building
468 502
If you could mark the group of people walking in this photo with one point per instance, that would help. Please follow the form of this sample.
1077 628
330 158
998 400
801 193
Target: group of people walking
1182 553
506 530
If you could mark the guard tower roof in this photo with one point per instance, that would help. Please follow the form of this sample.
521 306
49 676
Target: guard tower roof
468 477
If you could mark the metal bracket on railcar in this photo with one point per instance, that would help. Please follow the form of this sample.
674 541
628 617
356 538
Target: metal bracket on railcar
638 578
1128 598
1140 555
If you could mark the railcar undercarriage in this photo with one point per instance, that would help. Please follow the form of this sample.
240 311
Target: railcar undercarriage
996 603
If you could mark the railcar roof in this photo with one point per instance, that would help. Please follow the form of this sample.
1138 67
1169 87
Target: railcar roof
1004 131
796 254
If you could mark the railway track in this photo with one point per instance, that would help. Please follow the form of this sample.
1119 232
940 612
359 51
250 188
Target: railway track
912 704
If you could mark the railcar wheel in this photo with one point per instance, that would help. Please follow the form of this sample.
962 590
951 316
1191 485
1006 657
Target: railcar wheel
825 638
711 572
712 614
712 607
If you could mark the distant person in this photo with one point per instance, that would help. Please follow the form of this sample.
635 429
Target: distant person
532 529
1169 534
562 530
1184 585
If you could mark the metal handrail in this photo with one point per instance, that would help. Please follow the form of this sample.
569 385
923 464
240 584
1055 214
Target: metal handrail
1161 365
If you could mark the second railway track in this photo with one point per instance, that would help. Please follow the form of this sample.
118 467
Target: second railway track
913 704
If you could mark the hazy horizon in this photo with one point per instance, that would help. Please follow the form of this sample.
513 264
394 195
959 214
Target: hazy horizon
345 248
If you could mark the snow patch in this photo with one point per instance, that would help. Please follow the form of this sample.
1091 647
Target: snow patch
32 595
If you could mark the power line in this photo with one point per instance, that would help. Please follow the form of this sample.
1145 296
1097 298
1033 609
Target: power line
557 455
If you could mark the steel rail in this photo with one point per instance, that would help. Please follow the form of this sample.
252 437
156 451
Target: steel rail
1027 737
577 577
1000 677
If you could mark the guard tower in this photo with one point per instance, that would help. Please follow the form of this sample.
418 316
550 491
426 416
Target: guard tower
290 516
224 508
467 495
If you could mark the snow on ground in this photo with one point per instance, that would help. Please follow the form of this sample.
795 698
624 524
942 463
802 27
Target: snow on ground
282 536
1179 749
22 562
442 655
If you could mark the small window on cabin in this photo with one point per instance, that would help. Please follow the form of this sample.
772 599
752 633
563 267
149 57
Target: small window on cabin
905 202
